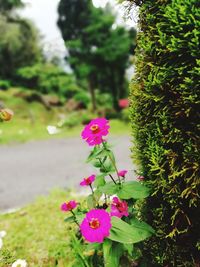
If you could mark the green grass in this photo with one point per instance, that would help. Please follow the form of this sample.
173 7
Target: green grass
38 234
31 120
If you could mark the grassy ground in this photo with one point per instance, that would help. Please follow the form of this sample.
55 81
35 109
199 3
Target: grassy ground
31 120
38 234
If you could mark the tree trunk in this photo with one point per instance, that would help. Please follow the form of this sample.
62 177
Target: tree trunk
92 94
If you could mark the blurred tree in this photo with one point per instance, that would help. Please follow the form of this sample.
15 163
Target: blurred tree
19 40
48 78
8 5
98 48
18 45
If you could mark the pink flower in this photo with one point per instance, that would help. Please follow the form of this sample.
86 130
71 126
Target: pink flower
95 130
88 181
122 173
119 208
68 206
123 103
96 225
140 178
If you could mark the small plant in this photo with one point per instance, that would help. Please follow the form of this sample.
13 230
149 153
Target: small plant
107 226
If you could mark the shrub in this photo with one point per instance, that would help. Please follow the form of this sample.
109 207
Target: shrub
104 99
4 84
165 119
48 78
71 121
125 115
82 97
76 118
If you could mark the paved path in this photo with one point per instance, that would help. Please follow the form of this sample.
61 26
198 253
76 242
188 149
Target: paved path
34 168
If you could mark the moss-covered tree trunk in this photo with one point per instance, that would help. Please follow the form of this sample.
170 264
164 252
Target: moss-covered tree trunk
165 96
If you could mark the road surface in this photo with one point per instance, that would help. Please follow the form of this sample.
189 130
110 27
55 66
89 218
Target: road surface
32 169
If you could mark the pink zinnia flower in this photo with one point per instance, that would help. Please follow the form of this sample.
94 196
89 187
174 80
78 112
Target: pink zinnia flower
96 225
95 130
119 208
68 206
88 181
140 178
122 173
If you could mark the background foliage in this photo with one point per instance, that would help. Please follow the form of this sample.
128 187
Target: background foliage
19 45
98 48
98 53
165 119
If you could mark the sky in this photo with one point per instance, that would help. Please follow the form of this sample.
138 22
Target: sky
44 14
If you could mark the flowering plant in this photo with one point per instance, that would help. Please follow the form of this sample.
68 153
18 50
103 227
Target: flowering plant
108 225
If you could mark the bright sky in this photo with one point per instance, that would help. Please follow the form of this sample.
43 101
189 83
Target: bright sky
100 3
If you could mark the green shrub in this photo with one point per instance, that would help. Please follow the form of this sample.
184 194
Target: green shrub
165 119
76 118
48 78
125 115
71 121
104 99
82 97
4 84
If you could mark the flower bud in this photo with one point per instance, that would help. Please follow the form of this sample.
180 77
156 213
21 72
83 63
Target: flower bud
6 114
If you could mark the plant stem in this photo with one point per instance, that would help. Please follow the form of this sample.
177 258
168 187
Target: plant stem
96 202
75 220
112 178
114 165
92 189
105 198
105 171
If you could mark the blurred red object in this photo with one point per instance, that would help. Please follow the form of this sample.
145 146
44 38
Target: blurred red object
123 103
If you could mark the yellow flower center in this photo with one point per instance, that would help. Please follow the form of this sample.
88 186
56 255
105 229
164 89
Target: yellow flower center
87 180
94 223
95 128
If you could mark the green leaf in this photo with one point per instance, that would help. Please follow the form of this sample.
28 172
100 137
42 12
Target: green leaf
91 202
80 217
126 190
129 248
134 190
99 181
95 246
96 163
69 219
93 153
143 225
109 188
125 233
112 252
97 195
107 166
133 251
97 152
91 248
111 156
77 248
